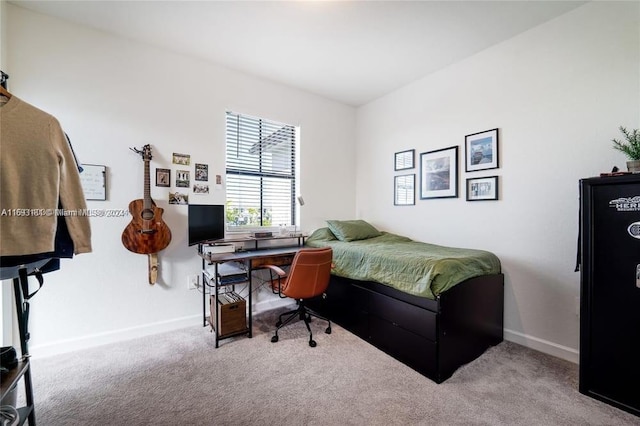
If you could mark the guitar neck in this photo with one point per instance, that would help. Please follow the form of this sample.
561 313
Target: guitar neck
147 187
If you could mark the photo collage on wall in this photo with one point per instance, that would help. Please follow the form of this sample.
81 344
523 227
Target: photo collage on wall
183 184
439 171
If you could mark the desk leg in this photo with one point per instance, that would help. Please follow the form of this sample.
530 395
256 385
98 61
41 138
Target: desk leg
217 327
204 295
250 303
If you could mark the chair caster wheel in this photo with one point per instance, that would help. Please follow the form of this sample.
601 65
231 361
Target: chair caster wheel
274 339
328 330
279 323
312 343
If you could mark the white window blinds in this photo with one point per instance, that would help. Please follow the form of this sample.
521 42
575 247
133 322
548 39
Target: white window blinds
261 183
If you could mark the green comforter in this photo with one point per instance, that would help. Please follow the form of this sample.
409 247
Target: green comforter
421 269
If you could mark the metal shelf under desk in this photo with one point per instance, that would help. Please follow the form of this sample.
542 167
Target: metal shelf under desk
252 260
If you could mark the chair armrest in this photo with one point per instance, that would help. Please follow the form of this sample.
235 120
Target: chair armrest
276 269
276 282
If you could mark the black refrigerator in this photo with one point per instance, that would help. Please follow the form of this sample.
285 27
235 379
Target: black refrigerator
610 290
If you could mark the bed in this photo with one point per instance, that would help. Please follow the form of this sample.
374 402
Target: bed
431 307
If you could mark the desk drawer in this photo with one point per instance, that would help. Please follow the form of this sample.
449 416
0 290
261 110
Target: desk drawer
405 315
272 260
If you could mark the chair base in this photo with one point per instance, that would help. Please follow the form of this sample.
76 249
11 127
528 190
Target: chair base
304 314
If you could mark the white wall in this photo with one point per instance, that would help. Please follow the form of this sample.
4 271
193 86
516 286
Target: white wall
111 94
558 94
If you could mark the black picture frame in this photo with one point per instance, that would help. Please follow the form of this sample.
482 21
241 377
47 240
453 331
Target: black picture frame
163 177
404 190
439 173
202 172
482 151
183 178
405 160
482 188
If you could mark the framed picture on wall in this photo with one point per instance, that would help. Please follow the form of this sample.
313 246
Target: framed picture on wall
405 160
94 182
202 172
163 177
482 189
439 173
404 192
481 150
182 159
182 178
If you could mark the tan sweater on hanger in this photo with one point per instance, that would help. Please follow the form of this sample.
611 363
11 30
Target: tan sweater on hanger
37 169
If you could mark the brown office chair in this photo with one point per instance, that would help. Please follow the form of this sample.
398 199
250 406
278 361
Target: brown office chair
308 277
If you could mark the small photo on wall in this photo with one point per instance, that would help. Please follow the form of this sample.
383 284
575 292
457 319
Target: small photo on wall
178 198
202 172
182 159
200 188
404 190
484 188
163 177
182 178
481 150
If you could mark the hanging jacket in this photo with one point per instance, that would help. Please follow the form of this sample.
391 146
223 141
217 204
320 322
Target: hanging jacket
37 171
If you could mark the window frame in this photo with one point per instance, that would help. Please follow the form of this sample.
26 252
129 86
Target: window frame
290 136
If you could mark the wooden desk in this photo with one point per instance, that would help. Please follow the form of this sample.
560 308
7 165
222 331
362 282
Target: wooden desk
252 259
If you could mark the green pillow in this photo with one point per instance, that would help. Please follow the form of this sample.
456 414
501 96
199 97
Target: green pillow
352 230
323 234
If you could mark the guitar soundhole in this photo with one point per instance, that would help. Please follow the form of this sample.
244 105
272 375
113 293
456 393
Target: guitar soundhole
147 214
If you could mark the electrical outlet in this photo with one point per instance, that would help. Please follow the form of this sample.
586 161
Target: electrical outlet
193 282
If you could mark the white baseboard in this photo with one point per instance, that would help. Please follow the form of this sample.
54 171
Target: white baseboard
543 346
70 345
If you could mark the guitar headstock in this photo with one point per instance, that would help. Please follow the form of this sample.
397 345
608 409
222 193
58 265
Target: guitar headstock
145 152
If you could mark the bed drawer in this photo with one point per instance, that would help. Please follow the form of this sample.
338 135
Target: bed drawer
416 351
346 305
409 317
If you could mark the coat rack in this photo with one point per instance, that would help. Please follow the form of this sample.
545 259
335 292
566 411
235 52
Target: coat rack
19 274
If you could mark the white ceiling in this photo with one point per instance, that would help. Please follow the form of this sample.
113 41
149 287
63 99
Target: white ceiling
349 51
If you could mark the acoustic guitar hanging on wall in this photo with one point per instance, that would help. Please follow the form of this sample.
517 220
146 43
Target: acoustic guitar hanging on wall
146 233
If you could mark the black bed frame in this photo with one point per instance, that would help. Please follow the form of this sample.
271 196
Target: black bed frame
434 337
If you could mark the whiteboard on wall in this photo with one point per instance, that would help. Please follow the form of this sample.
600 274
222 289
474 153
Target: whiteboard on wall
94 182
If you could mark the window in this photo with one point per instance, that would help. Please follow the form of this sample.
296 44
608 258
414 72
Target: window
261 183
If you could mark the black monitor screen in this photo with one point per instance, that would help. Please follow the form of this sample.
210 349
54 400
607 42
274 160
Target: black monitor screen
206 223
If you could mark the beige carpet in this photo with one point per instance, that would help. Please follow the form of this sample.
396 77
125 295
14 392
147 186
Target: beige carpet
180 378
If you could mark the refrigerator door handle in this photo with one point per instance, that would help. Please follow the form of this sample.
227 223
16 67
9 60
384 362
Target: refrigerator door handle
638 275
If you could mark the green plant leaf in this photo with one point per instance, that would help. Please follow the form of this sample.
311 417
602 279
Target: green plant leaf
630 146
